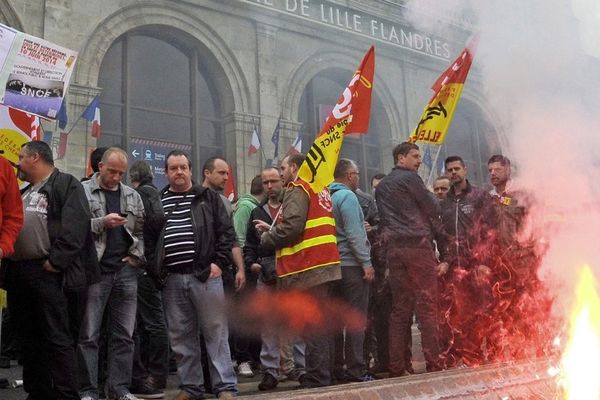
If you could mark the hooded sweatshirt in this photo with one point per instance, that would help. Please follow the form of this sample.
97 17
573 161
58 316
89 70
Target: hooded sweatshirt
353 245
241 216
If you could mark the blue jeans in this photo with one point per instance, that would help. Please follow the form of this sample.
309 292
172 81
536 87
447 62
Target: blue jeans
193 308
118 290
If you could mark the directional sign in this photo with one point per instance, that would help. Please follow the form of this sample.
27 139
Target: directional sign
154 152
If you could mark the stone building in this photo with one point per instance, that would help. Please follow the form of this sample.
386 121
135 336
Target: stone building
200 75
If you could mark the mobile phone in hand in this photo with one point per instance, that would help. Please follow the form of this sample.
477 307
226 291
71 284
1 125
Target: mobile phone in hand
123 215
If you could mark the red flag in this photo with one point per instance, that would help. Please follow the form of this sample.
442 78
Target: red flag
229 191
350 115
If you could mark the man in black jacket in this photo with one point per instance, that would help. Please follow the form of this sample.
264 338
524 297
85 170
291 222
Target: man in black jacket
150 362
406 210
193 249
467 218
54 255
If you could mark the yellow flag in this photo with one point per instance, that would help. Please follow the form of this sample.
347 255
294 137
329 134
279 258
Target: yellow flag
438 113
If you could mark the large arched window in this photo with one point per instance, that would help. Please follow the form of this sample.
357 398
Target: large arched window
472 137
157 89
317 101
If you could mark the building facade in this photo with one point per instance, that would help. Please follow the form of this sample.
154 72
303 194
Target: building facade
201 75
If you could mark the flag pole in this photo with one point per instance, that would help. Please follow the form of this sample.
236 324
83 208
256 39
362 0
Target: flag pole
434 165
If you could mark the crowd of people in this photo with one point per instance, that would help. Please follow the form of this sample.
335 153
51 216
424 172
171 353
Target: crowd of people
110 287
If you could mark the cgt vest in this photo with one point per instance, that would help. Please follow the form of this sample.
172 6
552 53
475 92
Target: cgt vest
317 247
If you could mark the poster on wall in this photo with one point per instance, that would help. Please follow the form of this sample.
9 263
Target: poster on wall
16 129
154 152
35 73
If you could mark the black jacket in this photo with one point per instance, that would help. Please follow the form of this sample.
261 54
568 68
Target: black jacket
213 235
154 220
406 208
72 249
253 252
467 220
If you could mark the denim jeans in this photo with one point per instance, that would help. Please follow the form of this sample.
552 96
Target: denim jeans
151 357
193 308
118 291
353 289
270 354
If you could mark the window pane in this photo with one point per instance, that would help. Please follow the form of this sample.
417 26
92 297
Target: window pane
111 119
160 126
209 133
111 74
159 75
107 140
207 106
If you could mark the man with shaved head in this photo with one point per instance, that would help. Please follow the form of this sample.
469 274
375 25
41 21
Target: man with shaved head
117 225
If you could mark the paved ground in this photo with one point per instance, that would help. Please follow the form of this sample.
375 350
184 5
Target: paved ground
246 386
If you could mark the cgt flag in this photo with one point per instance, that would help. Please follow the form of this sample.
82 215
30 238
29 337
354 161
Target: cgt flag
438 113
350 115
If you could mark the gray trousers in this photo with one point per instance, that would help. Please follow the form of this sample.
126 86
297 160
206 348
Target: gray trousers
193 308
271 345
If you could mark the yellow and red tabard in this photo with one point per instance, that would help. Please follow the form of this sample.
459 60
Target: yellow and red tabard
317 247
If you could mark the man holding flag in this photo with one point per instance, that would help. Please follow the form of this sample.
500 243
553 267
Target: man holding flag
304 232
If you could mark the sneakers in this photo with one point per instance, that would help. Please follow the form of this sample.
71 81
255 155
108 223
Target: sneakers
268 382
366 377
147 391
245 370
127 396
183 395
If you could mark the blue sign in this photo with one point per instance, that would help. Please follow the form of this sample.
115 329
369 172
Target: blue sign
154 152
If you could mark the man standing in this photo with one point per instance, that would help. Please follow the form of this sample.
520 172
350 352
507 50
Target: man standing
50 257
355 259
307 257
517 306
11 209
441 186
150 362
194 249
244 207
467 217
406 210
117 224
262 264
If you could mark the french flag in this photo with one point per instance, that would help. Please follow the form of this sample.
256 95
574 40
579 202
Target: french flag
296 146
92 114
254 143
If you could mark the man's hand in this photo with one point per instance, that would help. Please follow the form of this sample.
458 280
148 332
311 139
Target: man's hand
48 267
113 220
240 279
256 268
261 226
369 273
132 261
442 268
368 227
215 271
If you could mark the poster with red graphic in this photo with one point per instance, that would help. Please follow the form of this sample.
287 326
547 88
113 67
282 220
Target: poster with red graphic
16 128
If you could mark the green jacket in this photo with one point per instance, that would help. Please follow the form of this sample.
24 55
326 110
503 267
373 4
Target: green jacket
241 216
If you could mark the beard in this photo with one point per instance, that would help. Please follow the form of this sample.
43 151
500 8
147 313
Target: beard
22 175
